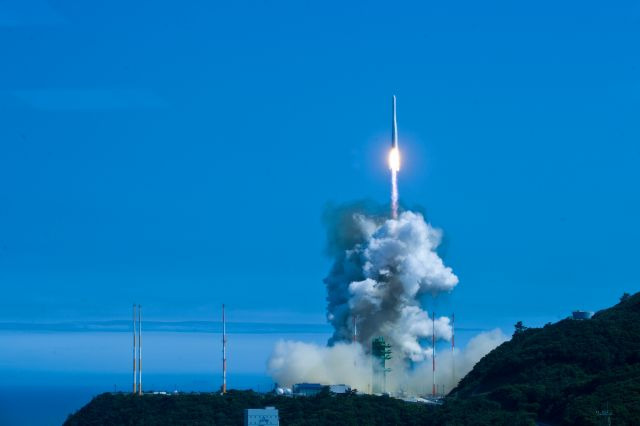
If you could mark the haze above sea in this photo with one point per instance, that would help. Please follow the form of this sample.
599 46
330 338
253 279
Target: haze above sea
48 371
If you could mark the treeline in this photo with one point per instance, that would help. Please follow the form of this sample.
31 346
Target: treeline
323 409
567 373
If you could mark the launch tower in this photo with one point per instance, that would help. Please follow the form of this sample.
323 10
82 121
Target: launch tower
381 352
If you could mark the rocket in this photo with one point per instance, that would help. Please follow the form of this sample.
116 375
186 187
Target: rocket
394 154
394 127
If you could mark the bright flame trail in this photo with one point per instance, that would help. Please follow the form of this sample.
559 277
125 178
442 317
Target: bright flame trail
394 194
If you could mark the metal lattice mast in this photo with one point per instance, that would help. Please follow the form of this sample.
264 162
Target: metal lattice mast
453 350
139 350
135 386
433 356
224 352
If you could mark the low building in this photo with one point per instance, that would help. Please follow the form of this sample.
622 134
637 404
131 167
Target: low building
339 389
267 416
307 389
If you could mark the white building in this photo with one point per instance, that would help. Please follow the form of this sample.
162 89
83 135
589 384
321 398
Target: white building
267 416
339 388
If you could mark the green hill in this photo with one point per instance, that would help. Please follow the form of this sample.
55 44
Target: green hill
323 409
561 374
564 372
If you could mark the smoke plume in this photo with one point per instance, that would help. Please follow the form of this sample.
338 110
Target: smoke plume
377 277
298 362
382 268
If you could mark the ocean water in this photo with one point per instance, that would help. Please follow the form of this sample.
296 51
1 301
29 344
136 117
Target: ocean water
46 405
50 403
45 376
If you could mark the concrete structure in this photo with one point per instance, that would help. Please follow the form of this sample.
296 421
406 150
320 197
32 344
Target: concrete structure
582 315
310 389
307 389
339 388
267 416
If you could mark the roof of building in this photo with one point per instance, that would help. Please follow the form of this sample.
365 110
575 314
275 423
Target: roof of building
308 385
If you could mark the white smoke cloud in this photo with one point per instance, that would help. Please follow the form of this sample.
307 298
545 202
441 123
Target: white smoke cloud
296 362
450 366
382 267
378 276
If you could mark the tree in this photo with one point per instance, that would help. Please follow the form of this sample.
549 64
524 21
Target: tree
519 328
625 296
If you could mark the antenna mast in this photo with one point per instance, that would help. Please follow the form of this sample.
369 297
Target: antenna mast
139 350
224 352
433 356
453 350
135 386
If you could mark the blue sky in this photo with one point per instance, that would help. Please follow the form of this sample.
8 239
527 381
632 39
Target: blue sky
180 155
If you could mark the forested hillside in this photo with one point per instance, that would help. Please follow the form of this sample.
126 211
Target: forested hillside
564 372
560 374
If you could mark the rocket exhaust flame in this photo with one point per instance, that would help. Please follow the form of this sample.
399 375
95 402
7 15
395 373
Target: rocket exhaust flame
394 194
394 160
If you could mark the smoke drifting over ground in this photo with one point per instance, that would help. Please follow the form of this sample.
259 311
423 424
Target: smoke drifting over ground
382 267
298 362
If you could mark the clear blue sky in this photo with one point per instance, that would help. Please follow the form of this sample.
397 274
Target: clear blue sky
181 154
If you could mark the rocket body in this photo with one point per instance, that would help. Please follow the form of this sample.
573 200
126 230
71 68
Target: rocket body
394 154
394 127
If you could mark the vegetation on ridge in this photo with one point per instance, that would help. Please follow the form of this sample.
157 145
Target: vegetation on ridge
560 374
565 372
323 409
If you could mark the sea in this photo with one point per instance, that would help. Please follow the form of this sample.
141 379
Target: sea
50 403
46 374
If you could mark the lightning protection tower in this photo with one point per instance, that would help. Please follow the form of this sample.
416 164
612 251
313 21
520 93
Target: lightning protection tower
381 352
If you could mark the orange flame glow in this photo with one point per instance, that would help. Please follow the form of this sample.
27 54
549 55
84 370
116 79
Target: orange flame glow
394 159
